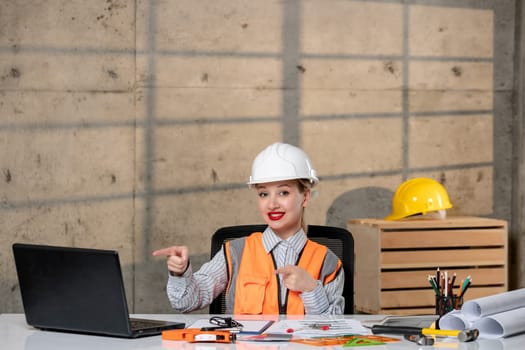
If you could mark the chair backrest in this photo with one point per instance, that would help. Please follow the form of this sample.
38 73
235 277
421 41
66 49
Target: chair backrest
339 240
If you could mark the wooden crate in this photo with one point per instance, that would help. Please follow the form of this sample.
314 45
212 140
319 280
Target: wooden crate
394 258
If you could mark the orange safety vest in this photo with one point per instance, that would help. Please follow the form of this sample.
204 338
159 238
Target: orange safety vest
256 289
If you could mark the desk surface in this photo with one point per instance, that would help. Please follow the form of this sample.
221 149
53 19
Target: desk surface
15 334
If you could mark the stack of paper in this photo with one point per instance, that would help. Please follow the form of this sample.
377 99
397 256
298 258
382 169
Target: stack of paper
495 316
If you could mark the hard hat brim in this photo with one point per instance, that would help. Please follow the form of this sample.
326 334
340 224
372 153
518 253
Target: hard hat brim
313 180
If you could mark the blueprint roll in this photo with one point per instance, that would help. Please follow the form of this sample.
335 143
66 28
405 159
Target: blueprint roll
454 320
481 307
502 324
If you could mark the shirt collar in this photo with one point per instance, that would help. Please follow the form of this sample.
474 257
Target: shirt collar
271 240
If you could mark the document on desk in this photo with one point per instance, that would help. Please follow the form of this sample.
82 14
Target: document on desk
318 328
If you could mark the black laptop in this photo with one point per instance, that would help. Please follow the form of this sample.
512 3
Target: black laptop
78 290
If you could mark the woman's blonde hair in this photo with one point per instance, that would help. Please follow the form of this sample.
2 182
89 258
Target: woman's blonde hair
304 185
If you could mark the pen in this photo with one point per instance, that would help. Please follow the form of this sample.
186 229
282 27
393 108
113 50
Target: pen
291 330
323 326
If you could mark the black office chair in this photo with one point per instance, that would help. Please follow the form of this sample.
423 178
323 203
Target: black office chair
339 240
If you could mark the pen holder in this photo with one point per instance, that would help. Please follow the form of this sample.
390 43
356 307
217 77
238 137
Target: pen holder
445 304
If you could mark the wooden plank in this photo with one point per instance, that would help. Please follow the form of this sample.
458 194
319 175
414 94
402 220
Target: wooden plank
426 298
418 279
443 238
432 223
442 258
408 311
367 270
404 311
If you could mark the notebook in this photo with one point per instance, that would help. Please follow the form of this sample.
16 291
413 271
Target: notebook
78 290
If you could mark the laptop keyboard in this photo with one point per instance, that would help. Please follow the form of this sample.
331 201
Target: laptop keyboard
137 323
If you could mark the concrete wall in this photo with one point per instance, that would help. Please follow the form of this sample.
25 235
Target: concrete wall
517 247
131 125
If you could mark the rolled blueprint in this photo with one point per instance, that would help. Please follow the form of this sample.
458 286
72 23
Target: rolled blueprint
454 320
502 324
481 307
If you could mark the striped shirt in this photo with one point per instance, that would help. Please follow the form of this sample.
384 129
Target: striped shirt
193 291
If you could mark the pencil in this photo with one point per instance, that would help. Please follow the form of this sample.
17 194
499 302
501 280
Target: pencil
446 284
464 290
453 280
438 278
452 284
433 285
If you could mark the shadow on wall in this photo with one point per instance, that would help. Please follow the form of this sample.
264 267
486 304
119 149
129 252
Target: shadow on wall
366 202
148 294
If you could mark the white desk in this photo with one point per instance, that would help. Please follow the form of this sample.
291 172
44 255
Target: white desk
15 334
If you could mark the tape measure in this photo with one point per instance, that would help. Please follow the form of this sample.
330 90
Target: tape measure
195 335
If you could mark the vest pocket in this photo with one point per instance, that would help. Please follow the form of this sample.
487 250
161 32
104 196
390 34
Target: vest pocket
253 290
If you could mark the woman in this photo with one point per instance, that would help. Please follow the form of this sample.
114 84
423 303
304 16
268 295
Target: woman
278 271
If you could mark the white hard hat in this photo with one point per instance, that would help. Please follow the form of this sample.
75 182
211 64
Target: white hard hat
281 161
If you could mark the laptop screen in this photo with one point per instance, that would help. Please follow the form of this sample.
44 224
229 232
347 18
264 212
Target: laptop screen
72 289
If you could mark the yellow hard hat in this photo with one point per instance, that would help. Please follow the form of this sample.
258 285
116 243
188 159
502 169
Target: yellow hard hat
418 196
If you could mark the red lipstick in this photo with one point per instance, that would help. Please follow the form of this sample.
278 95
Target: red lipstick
275 215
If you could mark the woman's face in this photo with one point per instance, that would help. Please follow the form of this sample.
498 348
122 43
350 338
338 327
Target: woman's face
281 205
